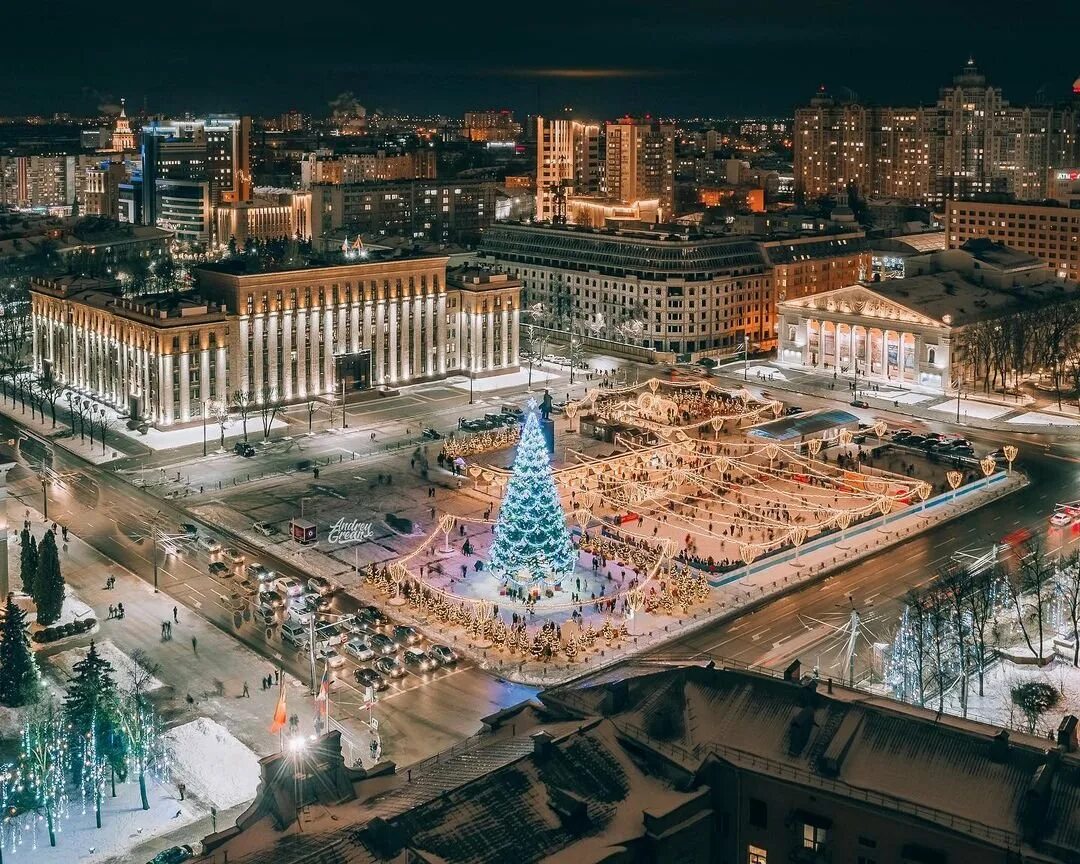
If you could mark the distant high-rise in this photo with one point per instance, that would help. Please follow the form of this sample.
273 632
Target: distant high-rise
491 126
970 143
568 162
123 139
640 163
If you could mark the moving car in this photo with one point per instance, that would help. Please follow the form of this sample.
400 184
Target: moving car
271 600
219 568
294 632
329 656
389 666
242 448
257 572
370 616
792 410
233 555
319 585
859 403
443 655
190 530
382 644
264 528
1061 519
370 678
173 855
417 661
289 586
431 434
248 586
265 617
330 634
359 649
405 635
209 544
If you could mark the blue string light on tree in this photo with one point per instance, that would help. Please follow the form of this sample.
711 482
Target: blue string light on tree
532 544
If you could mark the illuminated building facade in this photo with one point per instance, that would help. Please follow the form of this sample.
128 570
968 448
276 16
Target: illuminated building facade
491 126
123 139
568 163
640 163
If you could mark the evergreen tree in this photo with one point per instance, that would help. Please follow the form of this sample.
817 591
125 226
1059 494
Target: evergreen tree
18 673
28 561
93 727
531 539
49 584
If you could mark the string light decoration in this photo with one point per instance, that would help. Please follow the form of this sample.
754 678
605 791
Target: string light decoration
532 544
482 442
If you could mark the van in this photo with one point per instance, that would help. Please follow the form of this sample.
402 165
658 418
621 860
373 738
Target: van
295 632
209 544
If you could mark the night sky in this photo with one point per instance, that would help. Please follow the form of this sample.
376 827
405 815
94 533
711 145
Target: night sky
669 57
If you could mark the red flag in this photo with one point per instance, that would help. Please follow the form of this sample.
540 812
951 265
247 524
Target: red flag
280 712
323 697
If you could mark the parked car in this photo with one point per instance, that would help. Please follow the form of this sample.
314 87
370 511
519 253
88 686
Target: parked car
319 585
431 434
242 448
382 644
359 649
417 662
219 568
264 528
233 555
793 409
859 403
209 544
443 655
370 678
901 434
288 586
389 666
405 635
173 855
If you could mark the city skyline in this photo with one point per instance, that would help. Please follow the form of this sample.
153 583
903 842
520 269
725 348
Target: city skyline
760 61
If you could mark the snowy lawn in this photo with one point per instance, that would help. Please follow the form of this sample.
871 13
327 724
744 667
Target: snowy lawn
907 398
973 408
500 382
996 706
217 768
766 372
72 610
1038 418
122 664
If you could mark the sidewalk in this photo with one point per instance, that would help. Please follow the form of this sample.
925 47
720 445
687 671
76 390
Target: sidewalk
978 413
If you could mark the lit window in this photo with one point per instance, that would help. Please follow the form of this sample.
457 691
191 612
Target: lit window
814 837
757 855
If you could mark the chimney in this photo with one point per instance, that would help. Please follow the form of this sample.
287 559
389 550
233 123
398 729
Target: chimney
999 747
542 745
794 671
1066 733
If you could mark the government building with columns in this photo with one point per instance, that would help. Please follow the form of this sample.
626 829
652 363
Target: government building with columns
287 335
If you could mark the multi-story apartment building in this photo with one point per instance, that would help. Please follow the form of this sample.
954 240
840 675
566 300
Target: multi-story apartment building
810 264
102 192
971 142
645 288
44 182
491 126
288 334
640 163
569 162
445 212
271 214
367 167
1051 234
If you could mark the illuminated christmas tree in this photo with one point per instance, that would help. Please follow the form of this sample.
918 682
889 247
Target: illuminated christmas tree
532 543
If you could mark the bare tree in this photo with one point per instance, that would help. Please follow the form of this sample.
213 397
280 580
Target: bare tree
105 423
953 588
139 721
1068 588
980 603
939 633
1037 571
242 401
312 407
51 390
918 639
269 405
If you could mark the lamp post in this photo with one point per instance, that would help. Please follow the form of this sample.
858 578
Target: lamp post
746 355
344 419
204 427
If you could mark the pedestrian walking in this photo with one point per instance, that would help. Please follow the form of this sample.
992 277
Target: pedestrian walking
194 645
168 629
276 674
112 611
175 615
119 610
181 788
164 628
246 694
63 530
213 818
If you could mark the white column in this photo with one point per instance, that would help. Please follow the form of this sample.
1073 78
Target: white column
431 364
440 331
504 336
354 327
379 367
204 378
489 328
415 324
328 343
257 384
315 380
185 387
222 377
166 388
515 337
272 358
244 380
404 338
287 382
301 343
392 362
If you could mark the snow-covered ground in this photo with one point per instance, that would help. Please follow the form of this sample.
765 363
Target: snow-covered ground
769 373
996 707
217 768
974 408
157 439
501 382
905 397
122 664
1039 418
72 610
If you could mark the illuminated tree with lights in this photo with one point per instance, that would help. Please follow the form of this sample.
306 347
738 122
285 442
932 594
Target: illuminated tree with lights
532 543
44 766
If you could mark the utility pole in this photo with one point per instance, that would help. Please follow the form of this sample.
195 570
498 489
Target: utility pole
746 356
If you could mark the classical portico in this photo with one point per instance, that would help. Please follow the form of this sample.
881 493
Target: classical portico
855 330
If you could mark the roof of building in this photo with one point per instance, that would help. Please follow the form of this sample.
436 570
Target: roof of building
170 309
621 251
799 425
780 252
999 255
919 241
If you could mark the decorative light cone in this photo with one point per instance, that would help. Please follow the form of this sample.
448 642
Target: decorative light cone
654 383
988 465
814 446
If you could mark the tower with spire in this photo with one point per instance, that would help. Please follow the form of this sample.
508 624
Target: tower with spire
123 139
